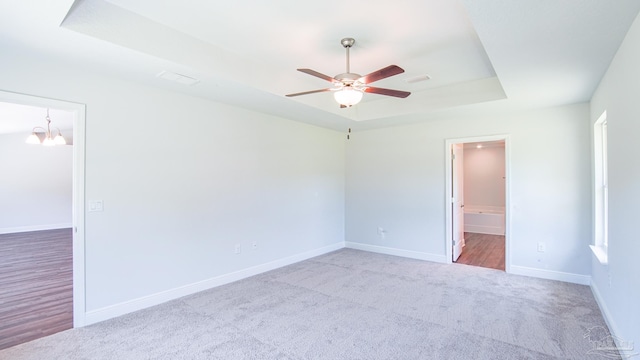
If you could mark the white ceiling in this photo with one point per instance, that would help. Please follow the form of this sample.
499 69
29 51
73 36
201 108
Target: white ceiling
481 55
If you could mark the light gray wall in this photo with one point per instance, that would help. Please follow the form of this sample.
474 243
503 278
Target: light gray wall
484 171
396 180
184 179
35 185
618 284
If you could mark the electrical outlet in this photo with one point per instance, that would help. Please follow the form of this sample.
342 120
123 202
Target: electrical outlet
382 232
542 247
238 249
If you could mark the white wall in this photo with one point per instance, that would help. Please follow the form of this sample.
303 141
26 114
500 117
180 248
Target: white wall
396 180
618 284
35 185
484 172
184 180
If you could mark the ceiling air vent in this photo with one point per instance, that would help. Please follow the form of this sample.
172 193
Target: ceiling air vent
181 79
418 79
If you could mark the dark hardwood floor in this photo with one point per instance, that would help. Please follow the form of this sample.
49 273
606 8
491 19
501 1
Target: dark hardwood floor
483 250
36 285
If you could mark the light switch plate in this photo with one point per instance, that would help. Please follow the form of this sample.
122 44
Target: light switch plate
96 205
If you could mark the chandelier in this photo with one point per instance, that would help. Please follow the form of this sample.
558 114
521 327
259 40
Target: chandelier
48 140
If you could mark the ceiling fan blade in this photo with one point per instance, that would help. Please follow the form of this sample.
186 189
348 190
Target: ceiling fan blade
381 74
317 74
388 92
308 92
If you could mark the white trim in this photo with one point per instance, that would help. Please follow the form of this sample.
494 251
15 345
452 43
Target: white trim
551 275
600 189
601 254
144 302
79 265
21 229
79 110
605 312
397 252
507 210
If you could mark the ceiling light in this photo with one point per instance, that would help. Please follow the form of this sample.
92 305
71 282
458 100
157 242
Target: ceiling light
348 96
479 146
48 140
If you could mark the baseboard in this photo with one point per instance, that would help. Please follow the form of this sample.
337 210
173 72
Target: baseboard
397 252
116 310
21 229
613 329
551 275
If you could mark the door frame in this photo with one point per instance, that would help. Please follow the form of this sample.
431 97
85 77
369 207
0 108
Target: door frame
457 200
78 209
507 188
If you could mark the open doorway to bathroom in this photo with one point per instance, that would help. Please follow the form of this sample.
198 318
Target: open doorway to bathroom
477 187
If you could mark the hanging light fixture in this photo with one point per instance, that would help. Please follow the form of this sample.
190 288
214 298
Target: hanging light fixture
49 140
348 96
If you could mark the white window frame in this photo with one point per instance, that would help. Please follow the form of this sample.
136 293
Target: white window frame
600 245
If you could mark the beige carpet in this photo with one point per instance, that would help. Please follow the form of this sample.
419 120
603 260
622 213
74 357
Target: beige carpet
350 305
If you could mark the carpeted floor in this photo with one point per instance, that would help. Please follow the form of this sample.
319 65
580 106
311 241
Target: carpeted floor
349 304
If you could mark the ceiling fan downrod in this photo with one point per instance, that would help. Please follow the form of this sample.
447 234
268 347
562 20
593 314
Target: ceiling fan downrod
347 43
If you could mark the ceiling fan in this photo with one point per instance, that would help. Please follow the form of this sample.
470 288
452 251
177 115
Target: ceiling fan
349 87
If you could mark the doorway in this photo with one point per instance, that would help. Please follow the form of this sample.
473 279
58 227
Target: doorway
55 229
477 201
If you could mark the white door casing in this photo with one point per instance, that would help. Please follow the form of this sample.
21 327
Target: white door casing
447 239
457 199
79 110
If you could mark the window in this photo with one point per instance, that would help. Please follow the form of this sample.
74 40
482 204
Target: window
601 190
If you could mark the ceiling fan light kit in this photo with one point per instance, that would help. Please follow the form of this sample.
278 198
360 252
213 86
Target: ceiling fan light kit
349 87
348 96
